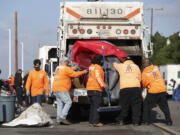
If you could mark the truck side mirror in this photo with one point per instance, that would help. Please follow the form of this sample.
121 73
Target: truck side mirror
47 69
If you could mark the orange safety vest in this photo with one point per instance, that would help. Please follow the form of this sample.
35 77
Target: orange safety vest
95 78
130 74
37 81
152 79
62 78
12 81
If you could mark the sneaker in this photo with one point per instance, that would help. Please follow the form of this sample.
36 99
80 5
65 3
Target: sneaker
145 123
169 123
90 125
136 124
57 123
58 120
98 125
65 122
121 123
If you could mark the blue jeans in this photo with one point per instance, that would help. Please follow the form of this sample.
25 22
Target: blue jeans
64 103
37 99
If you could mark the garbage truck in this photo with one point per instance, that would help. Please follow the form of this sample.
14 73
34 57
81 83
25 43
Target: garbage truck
120 24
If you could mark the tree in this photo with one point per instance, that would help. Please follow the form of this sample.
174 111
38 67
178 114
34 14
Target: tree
163 53
158 42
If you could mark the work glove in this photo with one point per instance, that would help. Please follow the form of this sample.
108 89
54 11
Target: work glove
28 93
86 71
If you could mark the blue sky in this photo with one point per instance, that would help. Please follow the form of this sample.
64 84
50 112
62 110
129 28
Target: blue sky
38 21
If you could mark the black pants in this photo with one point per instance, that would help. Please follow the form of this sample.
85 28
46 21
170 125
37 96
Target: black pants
25 97
151 100
19 94
95 102
130 98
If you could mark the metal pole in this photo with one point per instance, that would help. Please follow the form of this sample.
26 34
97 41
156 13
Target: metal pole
15 42
9 52
22 53
152 15
151 21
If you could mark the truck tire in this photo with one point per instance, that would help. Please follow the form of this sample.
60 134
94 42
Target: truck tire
74 112
78 112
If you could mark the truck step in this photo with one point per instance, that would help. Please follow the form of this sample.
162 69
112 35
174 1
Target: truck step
109 108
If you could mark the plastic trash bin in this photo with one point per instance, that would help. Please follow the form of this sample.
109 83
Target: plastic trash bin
7 108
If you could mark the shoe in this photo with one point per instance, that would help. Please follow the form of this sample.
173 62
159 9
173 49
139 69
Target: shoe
57 123
58 120
145 123
90 125
169 123
64 122
121 123
136 124
98 125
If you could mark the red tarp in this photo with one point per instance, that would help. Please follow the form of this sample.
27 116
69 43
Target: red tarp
84 51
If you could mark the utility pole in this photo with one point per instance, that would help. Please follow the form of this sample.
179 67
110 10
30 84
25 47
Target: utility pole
9 52
151 32
15 42
152 15
22 56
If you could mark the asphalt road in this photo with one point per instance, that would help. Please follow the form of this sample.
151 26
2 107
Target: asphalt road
81 127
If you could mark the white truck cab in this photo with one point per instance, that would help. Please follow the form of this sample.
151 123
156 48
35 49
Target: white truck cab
48 57
171 75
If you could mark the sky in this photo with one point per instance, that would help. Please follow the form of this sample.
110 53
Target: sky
38 22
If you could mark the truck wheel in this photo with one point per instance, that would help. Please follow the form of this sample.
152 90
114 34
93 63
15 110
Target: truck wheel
78 112
75 112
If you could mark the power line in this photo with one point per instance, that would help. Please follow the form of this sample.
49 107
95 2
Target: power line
152 14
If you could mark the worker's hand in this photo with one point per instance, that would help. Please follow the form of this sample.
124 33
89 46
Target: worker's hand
28 93
14 93
106 88
86 71
77 69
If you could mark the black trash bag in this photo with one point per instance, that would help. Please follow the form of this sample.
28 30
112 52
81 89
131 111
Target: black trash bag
113 77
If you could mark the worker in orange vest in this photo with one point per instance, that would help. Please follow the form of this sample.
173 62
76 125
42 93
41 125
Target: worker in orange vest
95 85
36 83
153 81
61 88
12 83
130 91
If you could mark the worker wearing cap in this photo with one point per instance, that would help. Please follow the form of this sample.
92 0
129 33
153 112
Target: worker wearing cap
130 91
61 87
95 85
153 81
36 83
